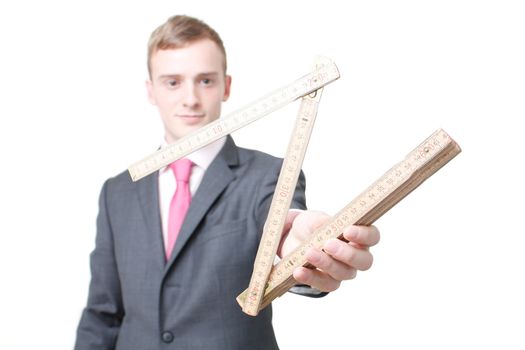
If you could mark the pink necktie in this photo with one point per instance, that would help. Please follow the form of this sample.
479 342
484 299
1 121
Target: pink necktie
180 201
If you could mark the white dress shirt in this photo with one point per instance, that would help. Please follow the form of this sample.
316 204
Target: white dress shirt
201 159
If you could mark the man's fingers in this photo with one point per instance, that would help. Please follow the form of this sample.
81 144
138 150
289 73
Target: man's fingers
316 279
358 258
367 236
326 263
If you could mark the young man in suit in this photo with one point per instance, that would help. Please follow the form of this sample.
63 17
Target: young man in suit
147 292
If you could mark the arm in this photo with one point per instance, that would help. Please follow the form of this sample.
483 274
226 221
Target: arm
101 319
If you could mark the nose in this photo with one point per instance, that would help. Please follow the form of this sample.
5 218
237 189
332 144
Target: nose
191 97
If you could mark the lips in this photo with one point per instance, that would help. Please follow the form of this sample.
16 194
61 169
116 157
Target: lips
190 115
191 118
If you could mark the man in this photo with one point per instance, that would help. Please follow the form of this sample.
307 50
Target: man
152 291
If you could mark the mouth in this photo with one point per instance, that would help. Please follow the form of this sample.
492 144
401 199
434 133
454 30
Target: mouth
190 119
190 116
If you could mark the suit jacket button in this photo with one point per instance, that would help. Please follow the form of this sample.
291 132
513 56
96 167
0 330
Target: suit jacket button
167 337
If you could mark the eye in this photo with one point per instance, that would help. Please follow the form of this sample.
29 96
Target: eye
207 81
172 83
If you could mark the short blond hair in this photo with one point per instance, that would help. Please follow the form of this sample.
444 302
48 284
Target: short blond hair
179 31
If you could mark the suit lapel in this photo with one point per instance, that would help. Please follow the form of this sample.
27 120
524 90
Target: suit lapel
217 177
148 193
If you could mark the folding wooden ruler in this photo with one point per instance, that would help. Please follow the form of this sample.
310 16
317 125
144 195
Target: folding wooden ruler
270 281
394 185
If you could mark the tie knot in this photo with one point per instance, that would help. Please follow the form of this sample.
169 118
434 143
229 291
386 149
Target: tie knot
182 169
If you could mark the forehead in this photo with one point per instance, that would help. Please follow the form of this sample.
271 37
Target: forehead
203 56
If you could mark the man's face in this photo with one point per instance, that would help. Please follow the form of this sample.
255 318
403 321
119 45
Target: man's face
188 86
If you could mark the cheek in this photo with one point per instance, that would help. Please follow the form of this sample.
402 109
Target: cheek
214 99
166 100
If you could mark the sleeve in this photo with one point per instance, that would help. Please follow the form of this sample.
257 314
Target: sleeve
307 291
299 198
101 319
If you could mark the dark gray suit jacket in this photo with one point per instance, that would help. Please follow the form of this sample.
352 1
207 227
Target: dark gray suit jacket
139 301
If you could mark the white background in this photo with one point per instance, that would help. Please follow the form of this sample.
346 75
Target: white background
448 272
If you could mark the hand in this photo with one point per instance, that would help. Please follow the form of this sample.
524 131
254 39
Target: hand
338 260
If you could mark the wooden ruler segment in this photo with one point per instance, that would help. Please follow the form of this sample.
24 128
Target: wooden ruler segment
316 79
394 185
281 200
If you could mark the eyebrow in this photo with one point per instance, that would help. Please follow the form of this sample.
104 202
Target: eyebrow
205 74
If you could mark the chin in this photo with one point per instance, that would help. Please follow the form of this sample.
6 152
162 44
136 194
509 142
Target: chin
185 131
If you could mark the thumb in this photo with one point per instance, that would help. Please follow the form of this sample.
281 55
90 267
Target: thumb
306 223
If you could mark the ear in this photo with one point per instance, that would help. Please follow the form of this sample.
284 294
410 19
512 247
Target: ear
227 86
149 89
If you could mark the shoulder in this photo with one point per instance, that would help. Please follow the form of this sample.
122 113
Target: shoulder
246 154
240 159
259 164
122 183
254 157
121 179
